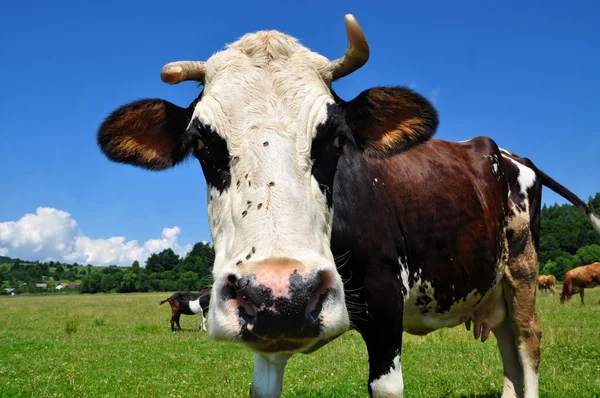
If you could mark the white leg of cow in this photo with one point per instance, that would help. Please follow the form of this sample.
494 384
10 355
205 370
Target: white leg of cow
390 384
530 374
201 319
513 372
267 381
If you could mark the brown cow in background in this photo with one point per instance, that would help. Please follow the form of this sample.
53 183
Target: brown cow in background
578 279
547 283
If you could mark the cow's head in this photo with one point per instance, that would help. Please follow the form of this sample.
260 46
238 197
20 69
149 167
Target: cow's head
268 130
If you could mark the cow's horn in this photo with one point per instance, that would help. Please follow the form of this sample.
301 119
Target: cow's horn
177 72
357 53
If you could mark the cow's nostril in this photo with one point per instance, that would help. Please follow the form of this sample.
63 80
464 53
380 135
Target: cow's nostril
246 309
324 282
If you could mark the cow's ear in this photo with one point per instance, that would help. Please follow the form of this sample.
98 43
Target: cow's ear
149 133
387 120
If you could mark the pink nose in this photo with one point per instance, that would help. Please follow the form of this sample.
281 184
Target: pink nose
280 302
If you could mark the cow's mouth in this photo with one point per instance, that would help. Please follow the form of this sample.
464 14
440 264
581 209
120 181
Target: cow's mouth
279 345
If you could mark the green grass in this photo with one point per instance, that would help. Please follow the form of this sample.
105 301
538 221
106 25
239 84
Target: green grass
121 346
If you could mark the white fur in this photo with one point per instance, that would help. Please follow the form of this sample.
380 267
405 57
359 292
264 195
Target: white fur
530 374
267 381
488 309
404 276
526 177
195 306
266 95
390 384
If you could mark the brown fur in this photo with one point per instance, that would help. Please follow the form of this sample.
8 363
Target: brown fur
547 283
391 120
146 133
522 328
578 279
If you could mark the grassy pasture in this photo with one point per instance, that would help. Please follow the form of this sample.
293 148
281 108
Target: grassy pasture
120 345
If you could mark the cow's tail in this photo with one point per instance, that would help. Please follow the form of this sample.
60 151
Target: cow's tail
571 197
162 302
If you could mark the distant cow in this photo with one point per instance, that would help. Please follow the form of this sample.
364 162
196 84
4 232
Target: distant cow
547 283
188 304
586 276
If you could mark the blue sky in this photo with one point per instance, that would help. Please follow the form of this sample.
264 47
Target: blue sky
525 74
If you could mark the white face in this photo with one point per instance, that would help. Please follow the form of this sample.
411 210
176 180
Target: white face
264 100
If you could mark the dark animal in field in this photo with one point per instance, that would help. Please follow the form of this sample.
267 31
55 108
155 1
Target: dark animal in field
579 279
547 283
187 303
428 233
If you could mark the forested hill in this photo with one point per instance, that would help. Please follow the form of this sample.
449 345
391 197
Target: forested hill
567 238
164 271
567 241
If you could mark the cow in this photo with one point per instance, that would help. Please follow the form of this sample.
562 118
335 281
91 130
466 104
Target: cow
547 283
432 233
579 279
188 303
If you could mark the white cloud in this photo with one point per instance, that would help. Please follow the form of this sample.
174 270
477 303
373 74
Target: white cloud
52 234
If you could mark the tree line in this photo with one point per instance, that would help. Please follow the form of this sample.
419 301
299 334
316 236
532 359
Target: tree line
164 271
567 241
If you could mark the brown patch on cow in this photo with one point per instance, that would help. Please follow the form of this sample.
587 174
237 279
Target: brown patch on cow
519 285
391 120
146 133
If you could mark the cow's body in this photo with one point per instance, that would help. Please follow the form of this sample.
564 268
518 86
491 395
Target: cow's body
579 279
431 233
547 283
188 303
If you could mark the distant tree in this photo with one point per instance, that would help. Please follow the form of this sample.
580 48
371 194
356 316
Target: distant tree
136 267
127 284
142 284
111 269
44 269
163 261
189 281
58 272
589 254
108 282
70 275
91 283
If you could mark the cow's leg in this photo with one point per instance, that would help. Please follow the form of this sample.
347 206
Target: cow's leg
173 322
267 380
385 369
383 337
581 295
177 316
519 289
201 319
513 372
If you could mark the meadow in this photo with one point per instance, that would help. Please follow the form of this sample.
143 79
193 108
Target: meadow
120 345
